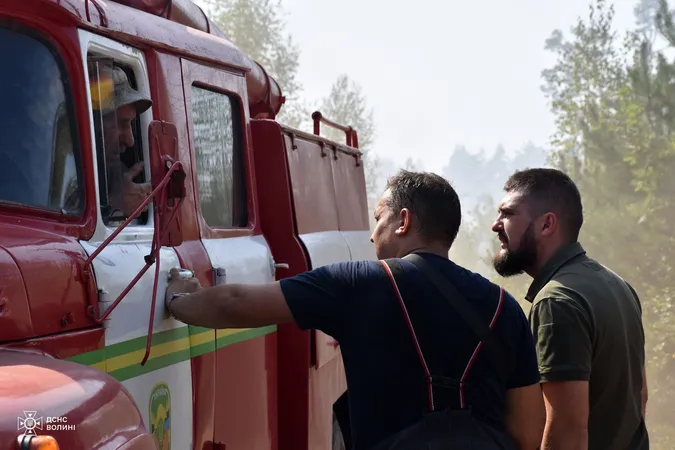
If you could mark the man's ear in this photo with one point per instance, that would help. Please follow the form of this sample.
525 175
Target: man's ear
404 222
548 224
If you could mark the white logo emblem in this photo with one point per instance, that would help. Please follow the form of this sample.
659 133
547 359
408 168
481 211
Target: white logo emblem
29 422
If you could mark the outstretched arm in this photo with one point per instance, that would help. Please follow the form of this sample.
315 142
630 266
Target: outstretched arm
227 306
318 299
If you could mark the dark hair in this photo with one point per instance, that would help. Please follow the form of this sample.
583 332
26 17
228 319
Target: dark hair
550 190
432 201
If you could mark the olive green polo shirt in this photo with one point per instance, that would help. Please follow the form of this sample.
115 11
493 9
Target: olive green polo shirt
587 325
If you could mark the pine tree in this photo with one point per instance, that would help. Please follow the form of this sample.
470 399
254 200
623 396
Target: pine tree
645 13
347 105
258 29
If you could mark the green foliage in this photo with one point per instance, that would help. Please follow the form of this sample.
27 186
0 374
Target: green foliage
258 29
347 105
614 105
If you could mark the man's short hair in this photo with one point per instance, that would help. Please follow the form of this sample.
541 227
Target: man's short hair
550 190
432 201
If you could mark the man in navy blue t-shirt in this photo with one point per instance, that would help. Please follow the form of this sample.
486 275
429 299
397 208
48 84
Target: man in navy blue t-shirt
356 303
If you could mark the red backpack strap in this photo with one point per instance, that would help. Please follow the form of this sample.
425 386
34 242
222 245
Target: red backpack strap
465 375
393 267
484 332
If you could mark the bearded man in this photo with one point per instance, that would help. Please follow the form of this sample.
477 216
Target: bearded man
585 319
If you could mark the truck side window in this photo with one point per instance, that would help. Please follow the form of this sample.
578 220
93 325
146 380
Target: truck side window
116 106
220 165
40 163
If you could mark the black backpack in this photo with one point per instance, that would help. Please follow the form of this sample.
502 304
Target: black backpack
449 428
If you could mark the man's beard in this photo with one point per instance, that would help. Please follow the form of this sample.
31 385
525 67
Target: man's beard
509 262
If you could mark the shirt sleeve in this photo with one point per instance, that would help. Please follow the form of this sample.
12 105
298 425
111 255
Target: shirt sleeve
319 299
525 369
562 333
636 296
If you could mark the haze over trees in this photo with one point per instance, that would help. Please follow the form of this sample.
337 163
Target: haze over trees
613 100
479 180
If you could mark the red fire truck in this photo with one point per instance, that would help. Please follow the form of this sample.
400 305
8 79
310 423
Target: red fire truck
89 357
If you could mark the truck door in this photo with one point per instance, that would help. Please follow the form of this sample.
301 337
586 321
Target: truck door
245 411
162 387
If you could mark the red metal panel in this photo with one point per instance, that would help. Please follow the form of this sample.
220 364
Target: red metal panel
192 255
329 188
312 183
278 227
326 348
43 244
50 266
327 383
306 394
245 391
234 86
350 189
15 318
99 407
65 345
138 28
328 194
246 408
264 93
118 21
164 71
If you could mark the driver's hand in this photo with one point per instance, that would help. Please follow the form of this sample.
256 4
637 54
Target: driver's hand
134 193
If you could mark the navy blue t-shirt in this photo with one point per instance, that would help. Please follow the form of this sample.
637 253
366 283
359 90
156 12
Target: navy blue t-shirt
354 302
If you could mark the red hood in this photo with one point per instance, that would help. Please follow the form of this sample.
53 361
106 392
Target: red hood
98 407
41 288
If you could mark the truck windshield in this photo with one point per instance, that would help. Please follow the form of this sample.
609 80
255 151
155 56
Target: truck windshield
39 157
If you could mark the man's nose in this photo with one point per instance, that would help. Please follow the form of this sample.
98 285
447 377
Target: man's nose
497 226
127 137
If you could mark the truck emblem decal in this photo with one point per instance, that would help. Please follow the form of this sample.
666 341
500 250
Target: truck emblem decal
29 422
160 415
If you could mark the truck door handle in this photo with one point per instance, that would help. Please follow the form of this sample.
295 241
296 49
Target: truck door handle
219 276
184 274
281 266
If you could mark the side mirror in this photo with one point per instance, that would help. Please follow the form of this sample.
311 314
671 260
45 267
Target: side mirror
163 138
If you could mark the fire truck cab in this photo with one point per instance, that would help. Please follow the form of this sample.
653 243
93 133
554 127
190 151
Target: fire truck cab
88 354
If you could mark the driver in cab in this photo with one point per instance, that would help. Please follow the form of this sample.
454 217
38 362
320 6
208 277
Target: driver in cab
114 114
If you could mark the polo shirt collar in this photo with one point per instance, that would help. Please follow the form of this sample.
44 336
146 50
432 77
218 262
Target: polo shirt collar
559 259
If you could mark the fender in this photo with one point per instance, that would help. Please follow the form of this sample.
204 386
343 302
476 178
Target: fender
81 407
